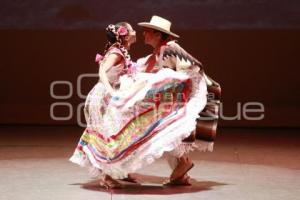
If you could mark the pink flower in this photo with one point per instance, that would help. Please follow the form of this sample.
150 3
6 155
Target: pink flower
98 58
122 31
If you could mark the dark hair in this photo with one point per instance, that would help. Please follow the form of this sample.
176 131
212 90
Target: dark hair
115 39
164 36
111 37
111 33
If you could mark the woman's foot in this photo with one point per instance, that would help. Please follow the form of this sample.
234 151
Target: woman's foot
183 166
130 179
110 183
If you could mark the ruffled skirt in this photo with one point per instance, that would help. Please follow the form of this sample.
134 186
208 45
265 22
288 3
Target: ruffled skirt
148 116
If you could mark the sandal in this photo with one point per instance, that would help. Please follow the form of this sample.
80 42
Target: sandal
130 179
183 181
110 183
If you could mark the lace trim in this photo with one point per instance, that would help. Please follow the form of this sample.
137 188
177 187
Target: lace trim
185 148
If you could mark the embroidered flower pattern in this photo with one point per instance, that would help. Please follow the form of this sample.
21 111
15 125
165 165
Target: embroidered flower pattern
121 31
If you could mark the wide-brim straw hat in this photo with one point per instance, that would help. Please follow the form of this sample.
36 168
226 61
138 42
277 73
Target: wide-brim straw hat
160 24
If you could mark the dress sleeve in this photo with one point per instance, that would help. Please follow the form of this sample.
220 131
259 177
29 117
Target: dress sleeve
116 51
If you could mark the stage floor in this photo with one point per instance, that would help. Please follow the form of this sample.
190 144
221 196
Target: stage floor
247 164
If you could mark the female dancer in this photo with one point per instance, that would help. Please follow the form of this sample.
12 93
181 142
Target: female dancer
115 62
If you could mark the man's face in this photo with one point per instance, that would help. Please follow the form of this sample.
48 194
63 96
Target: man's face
150 36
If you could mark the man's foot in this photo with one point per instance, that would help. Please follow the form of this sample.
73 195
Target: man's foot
110 183
184 165
183 181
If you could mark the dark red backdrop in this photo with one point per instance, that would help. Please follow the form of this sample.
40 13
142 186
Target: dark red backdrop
251 49
252 66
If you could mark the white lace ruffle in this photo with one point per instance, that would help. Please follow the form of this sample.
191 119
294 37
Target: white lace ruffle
187 147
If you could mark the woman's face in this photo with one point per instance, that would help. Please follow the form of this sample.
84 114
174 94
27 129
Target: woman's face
131 37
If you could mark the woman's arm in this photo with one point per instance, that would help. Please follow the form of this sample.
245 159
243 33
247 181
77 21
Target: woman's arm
104 66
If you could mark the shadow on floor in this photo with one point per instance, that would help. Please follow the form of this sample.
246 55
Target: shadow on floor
153 185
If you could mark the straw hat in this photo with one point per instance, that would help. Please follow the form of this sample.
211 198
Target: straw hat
160 24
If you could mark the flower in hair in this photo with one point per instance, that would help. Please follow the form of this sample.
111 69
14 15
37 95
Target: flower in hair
122 31
111 28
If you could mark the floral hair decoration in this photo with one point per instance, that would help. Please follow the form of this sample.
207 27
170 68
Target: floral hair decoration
120 31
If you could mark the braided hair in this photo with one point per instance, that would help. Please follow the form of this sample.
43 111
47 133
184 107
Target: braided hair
116 34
